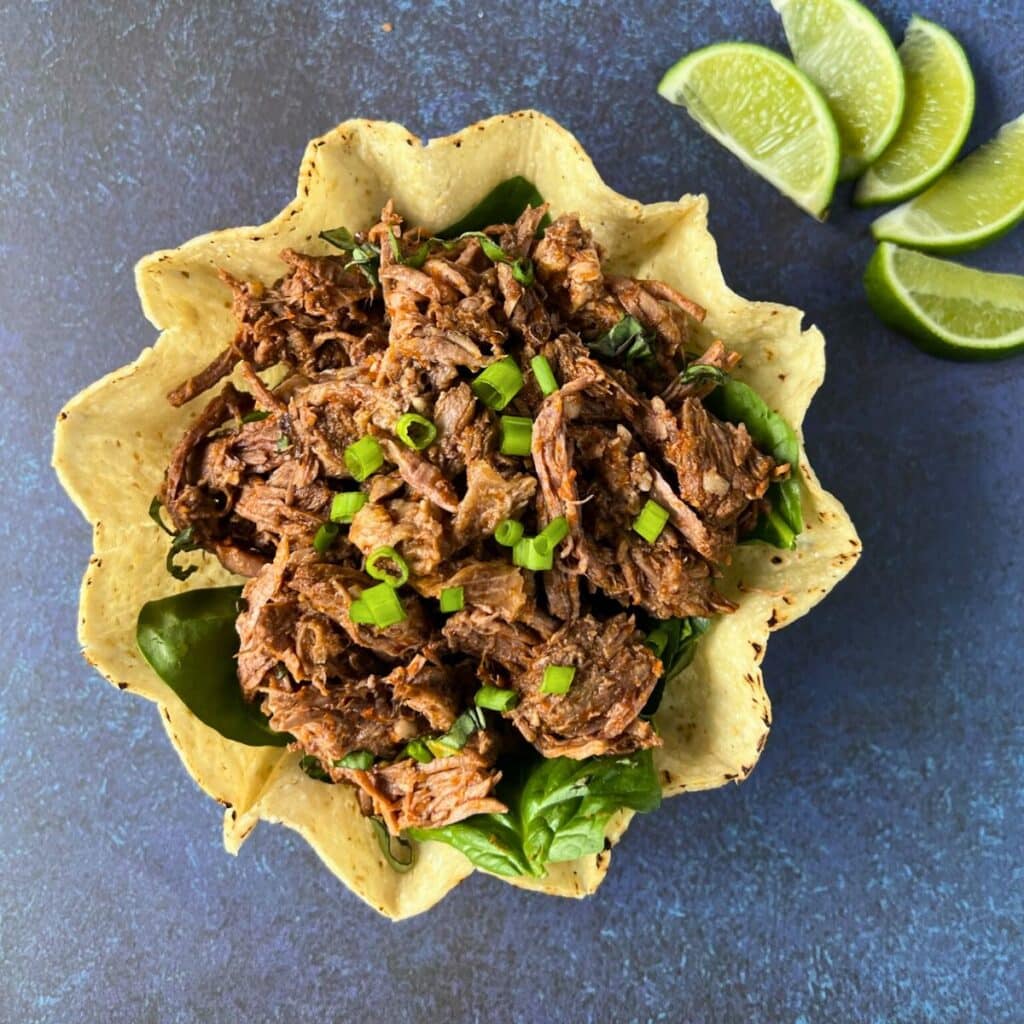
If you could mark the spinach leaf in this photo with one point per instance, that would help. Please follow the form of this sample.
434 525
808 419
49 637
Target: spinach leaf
190 641
566 804
674 641
491 841
737 403
558 810
502 205
628 341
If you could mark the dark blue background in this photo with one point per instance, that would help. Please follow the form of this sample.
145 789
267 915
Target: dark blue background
871 868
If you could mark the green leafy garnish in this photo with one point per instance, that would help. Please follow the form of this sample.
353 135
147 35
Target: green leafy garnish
181 542
674 641
502 205
558 810
365 256
458 735
736 402
416 258
522 266
401 861
702 372
628 342
314 769
190 641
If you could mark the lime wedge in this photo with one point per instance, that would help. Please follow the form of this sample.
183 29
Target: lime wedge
760 106
847 53
936 119
948 309
979 199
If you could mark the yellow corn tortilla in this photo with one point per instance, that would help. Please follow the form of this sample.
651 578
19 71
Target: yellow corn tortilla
113 441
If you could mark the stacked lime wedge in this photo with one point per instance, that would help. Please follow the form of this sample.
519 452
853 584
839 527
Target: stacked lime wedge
848 54
948 309
936 117
765 110
981 198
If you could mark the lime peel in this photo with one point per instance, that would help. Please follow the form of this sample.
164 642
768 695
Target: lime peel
979 199
761 107
936 119
946 308
847 53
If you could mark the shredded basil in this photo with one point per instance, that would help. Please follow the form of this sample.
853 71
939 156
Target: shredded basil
522 266
364 256
628 342
703 372
181 542
255 416
314 769
414 259
406 856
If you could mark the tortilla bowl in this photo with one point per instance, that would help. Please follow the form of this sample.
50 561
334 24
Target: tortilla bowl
112 443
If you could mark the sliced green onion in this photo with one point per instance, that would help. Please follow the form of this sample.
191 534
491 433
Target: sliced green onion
556 531
495 698
418 751
651 521
453 599
377 566
533 553
325 537
415 431
345 505
359 612
516 435
255 416
557 679
364 457
361 760
497 384
544 374
383 605
508 533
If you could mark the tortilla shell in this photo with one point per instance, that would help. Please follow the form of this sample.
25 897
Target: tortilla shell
113 441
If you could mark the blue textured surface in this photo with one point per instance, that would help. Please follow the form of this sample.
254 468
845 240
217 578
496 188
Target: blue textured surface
871 868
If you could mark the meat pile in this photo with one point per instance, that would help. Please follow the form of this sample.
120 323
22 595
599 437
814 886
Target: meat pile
366 341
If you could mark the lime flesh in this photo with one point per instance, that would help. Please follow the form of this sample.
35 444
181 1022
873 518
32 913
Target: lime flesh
979 199
760 106
948 309
936 118
848 54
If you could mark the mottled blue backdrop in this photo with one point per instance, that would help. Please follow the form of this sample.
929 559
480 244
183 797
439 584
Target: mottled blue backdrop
871 868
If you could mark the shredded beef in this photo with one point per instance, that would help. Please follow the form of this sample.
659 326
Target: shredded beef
262 477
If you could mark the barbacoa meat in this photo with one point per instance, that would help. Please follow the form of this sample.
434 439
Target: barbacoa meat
356 344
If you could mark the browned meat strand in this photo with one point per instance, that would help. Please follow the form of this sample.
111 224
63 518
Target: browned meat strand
615 674
407 795
255 477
